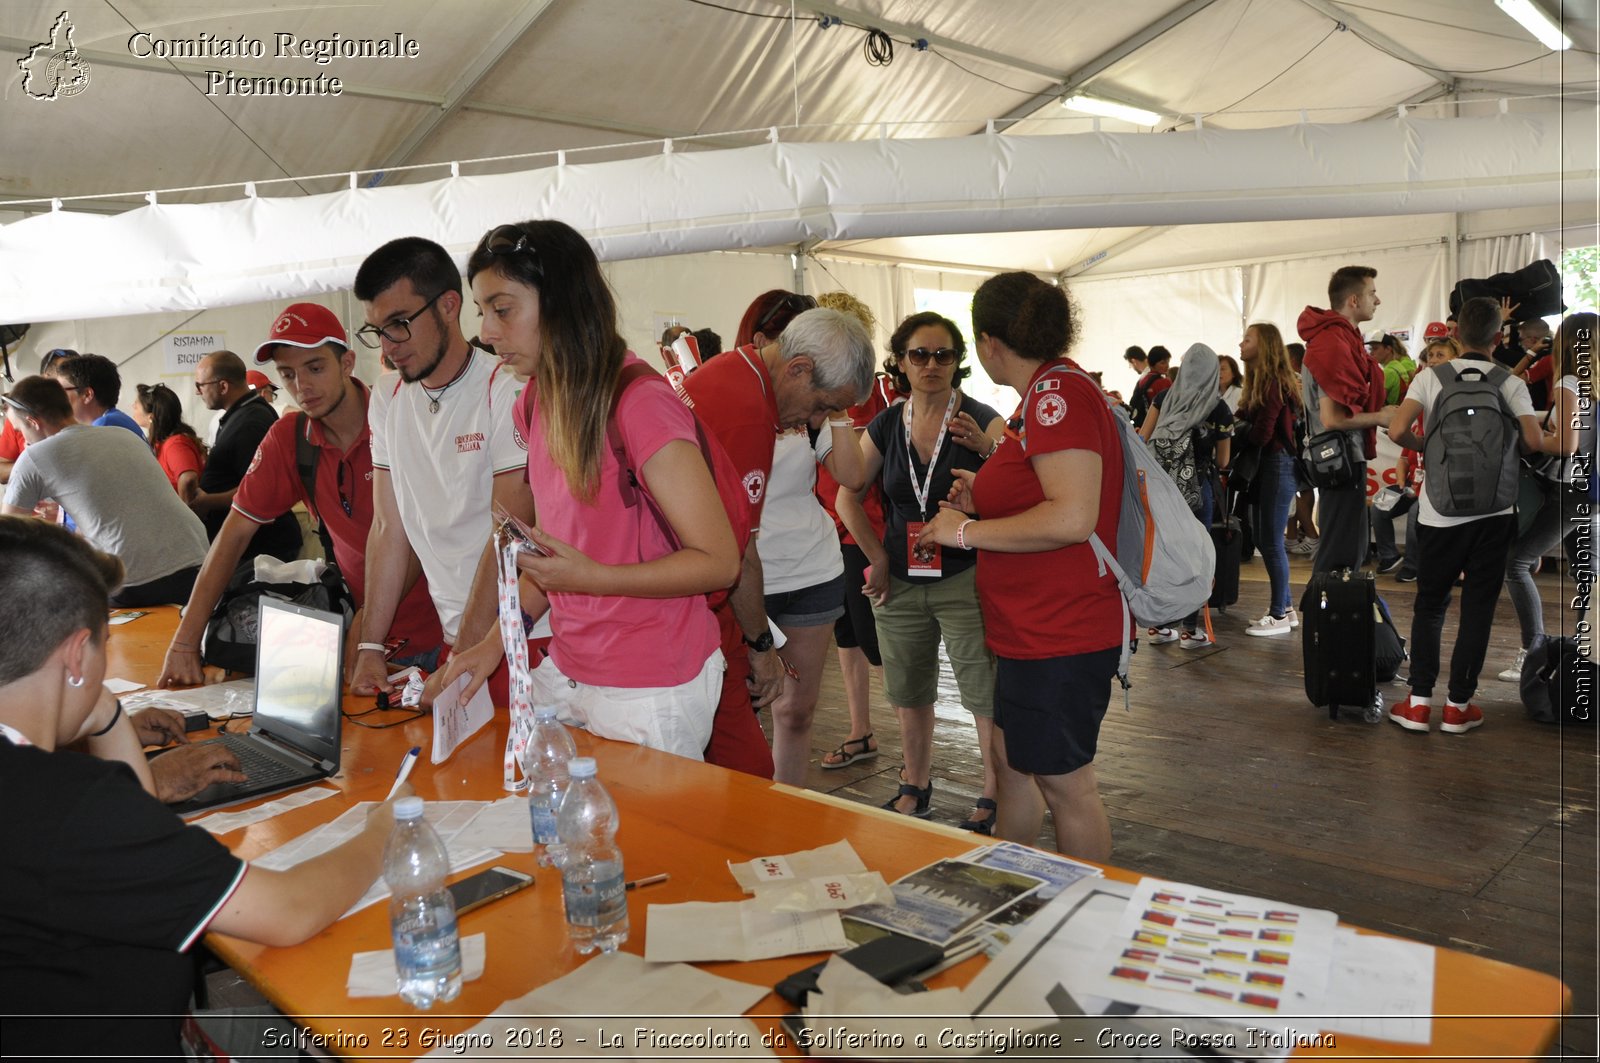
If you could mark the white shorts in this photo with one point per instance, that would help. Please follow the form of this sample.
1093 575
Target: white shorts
671 719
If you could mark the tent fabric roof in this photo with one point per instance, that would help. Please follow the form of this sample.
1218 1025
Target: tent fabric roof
583 76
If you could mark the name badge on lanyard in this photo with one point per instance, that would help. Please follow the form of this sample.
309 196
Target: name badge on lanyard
925 561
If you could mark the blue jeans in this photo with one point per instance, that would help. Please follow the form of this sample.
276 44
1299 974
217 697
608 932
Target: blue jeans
1206 505
1277 491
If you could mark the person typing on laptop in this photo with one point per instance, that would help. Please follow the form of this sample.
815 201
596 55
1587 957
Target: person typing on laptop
106 889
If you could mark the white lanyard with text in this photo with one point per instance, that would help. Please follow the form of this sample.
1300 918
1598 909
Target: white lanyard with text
516 643
922 490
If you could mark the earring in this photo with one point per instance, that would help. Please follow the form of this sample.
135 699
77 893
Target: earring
75 681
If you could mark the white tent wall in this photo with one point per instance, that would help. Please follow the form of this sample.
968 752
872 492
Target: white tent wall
1411 285
1171 309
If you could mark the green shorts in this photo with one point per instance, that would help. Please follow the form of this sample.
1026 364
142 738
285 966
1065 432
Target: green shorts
918 614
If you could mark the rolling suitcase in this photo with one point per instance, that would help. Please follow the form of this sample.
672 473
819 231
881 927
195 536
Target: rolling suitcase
1228 539
1338 639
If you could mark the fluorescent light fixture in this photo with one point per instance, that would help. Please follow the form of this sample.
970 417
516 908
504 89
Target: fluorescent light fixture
1533 19
1110 109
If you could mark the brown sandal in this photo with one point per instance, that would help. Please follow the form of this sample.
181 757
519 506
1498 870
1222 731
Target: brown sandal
846 756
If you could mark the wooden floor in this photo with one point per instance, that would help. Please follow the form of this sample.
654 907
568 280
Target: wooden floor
1222 774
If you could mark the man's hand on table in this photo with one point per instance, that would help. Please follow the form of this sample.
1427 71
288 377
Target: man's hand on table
181 668
181 773
156 726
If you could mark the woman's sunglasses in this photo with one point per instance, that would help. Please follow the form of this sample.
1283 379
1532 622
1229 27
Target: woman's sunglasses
944 356
513 240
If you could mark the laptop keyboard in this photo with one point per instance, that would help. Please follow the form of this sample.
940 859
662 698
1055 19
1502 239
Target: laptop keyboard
261 768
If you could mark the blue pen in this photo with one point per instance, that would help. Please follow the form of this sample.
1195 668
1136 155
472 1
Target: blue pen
406 765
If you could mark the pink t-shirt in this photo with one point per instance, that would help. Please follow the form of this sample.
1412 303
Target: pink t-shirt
614 640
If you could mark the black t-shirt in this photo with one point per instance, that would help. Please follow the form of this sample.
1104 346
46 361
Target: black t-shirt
242 428
102 889
888 434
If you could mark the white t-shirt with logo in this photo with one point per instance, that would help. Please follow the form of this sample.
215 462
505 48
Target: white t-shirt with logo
1425 388
442 467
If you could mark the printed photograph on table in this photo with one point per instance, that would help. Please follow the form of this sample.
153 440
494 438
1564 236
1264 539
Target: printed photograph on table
939 902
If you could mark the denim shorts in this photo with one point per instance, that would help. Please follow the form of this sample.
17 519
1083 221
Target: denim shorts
1050 709
813 606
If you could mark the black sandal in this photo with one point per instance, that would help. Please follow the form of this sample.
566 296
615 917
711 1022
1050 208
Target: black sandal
846 756
981 826
922 794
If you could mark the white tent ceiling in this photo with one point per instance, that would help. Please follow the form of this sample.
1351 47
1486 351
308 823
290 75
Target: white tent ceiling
584 76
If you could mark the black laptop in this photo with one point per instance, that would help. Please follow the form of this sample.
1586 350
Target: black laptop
295 734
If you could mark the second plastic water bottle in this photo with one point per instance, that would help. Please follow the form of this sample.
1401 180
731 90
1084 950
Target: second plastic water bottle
422 914
591 867
545 765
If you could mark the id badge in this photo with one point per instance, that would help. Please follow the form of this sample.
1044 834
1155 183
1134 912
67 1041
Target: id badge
922 561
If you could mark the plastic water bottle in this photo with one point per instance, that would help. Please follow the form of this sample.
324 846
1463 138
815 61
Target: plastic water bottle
422 914
591 865
545 765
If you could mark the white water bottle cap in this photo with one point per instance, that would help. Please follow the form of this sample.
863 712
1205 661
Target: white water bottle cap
581 767
408 808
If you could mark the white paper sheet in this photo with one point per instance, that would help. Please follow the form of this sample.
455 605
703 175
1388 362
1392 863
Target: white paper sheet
372 974
218 701
448 818
837 858
856 1016
223 822
1193 950
639 994
1380 988
503 825
736 930
122 686
832 893
455 722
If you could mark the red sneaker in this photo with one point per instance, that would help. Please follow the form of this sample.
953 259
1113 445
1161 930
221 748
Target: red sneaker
1459 721
1413 714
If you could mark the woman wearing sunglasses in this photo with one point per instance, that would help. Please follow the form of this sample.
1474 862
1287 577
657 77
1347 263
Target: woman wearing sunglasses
1054 616
913 451
631 530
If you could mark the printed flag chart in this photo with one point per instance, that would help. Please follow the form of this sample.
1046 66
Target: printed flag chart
1187 949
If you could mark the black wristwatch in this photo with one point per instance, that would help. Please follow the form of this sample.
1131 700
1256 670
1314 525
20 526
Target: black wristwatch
761 643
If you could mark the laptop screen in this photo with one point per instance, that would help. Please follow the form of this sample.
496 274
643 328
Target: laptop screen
299 677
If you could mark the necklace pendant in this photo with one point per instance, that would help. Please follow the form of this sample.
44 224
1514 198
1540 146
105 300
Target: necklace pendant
433 405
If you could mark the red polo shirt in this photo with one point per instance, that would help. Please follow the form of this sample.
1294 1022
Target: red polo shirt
1053 603
734 397
11 441
272 486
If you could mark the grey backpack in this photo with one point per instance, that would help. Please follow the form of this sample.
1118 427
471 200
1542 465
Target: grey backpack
1163 559
1470 443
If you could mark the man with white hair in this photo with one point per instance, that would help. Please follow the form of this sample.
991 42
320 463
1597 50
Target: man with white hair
821 364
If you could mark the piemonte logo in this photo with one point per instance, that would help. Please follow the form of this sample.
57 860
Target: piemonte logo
54 69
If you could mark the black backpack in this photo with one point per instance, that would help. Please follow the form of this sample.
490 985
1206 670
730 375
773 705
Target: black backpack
1558 682
231 632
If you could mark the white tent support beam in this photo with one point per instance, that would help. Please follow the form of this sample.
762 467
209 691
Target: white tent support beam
948 44
1379 40
1127 243
471 77
1086 73
846 254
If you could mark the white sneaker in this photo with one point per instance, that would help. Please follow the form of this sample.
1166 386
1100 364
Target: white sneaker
1514 673
1270 625
1304 547
1157 635
1194 640
1294 617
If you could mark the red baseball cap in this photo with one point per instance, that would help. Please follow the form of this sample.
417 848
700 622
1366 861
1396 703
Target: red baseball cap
304 325
258 380
1436 330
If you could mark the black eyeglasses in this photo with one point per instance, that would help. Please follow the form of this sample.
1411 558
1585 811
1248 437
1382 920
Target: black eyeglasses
396 331
513 240
792 304
201 385
944 355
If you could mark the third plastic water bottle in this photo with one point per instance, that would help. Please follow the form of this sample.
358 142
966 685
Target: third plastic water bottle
591 866
422 914
545 765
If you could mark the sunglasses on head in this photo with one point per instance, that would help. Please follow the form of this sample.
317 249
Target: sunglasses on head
513 240
792 304
20 407
919 356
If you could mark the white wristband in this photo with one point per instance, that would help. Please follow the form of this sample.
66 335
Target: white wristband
961 534
376 647
843 423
